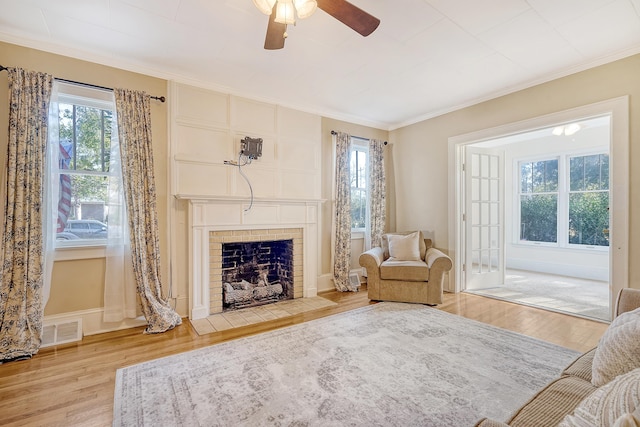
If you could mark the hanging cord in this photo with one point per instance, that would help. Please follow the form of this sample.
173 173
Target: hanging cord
246 162
239 164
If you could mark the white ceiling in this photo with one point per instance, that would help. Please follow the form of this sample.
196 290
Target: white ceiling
427 57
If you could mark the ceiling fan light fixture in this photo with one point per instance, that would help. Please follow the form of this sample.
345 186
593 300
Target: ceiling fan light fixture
285 13
264 6
305 8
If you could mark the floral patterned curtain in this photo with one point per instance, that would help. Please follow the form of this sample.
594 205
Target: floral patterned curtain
134 132
377 193
21 255
342 218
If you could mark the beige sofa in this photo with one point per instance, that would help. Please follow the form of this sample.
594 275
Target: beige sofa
418 279
574 400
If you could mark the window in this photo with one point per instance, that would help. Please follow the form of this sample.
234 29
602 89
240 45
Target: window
358 172
85 119
564 201
589 200
539 201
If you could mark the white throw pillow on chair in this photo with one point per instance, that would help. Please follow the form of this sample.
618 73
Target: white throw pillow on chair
404 247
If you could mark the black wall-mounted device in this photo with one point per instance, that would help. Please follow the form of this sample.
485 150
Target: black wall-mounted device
251 147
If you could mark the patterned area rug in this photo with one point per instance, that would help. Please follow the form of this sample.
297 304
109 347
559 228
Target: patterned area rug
387 364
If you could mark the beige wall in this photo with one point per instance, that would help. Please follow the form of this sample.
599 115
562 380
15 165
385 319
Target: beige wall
78 285
416 159
421 150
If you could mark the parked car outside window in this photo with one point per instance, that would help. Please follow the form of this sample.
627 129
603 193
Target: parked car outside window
86 228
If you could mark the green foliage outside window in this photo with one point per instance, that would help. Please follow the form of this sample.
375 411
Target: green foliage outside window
587 199
85 132
539 218
539 201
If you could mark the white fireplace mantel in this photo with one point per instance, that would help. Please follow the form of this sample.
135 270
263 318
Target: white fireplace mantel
207 214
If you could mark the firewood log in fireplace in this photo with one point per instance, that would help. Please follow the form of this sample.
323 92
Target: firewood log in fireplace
243 293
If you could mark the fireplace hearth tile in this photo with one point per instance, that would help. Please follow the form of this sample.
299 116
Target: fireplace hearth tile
250 316
236 319
218 323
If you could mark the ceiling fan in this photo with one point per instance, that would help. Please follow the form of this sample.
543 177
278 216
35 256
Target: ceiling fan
283 12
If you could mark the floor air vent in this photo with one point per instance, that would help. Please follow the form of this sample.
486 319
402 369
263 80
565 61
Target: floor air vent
61 332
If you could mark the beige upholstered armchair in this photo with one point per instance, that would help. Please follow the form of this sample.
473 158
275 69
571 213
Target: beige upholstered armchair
406 269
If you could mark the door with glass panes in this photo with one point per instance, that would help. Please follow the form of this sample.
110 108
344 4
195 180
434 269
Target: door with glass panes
483 218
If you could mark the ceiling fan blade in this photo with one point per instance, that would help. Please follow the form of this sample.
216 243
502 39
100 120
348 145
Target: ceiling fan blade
350 15
275 32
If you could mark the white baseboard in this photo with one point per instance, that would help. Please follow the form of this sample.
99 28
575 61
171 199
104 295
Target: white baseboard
325 283
181 305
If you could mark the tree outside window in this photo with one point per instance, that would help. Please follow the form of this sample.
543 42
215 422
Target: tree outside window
539 201
589 200
582 188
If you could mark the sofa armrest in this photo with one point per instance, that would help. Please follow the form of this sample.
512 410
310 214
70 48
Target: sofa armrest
628 300
372 258
371 261
437 259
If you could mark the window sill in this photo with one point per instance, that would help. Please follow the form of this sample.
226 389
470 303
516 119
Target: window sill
571 247
357 234
88 251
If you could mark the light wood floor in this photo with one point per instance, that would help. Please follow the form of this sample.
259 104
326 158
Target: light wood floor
73 385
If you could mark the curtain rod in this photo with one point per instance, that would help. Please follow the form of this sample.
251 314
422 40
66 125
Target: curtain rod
333 132
159 98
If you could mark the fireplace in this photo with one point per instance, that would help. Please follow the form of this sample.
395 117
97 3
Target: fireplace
256 273
254 267
215 221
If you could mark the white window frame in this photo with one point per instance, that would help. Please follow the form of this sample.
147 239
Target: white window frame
362 145
563 199
95 98
517 198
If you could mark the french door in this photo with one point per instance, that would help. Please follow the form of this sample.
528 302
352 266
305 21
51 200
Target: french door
483 218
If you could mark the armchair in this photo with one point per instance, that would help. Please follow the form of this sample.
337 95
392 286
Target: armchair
405 269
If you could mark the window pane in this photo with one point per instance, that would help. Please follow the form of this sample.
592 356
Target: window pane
358 208
592 172
362 170
85 132
576 173
589 173
589 218
525 178
551 175
81 207
604 161
539 177
358 178
539 218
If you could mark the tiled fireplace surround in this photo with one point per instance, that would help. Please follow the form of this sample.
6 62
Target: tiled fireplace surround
218 238
213 222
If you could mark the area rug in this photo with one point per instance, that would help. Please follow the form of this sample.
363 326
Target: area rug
388 364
